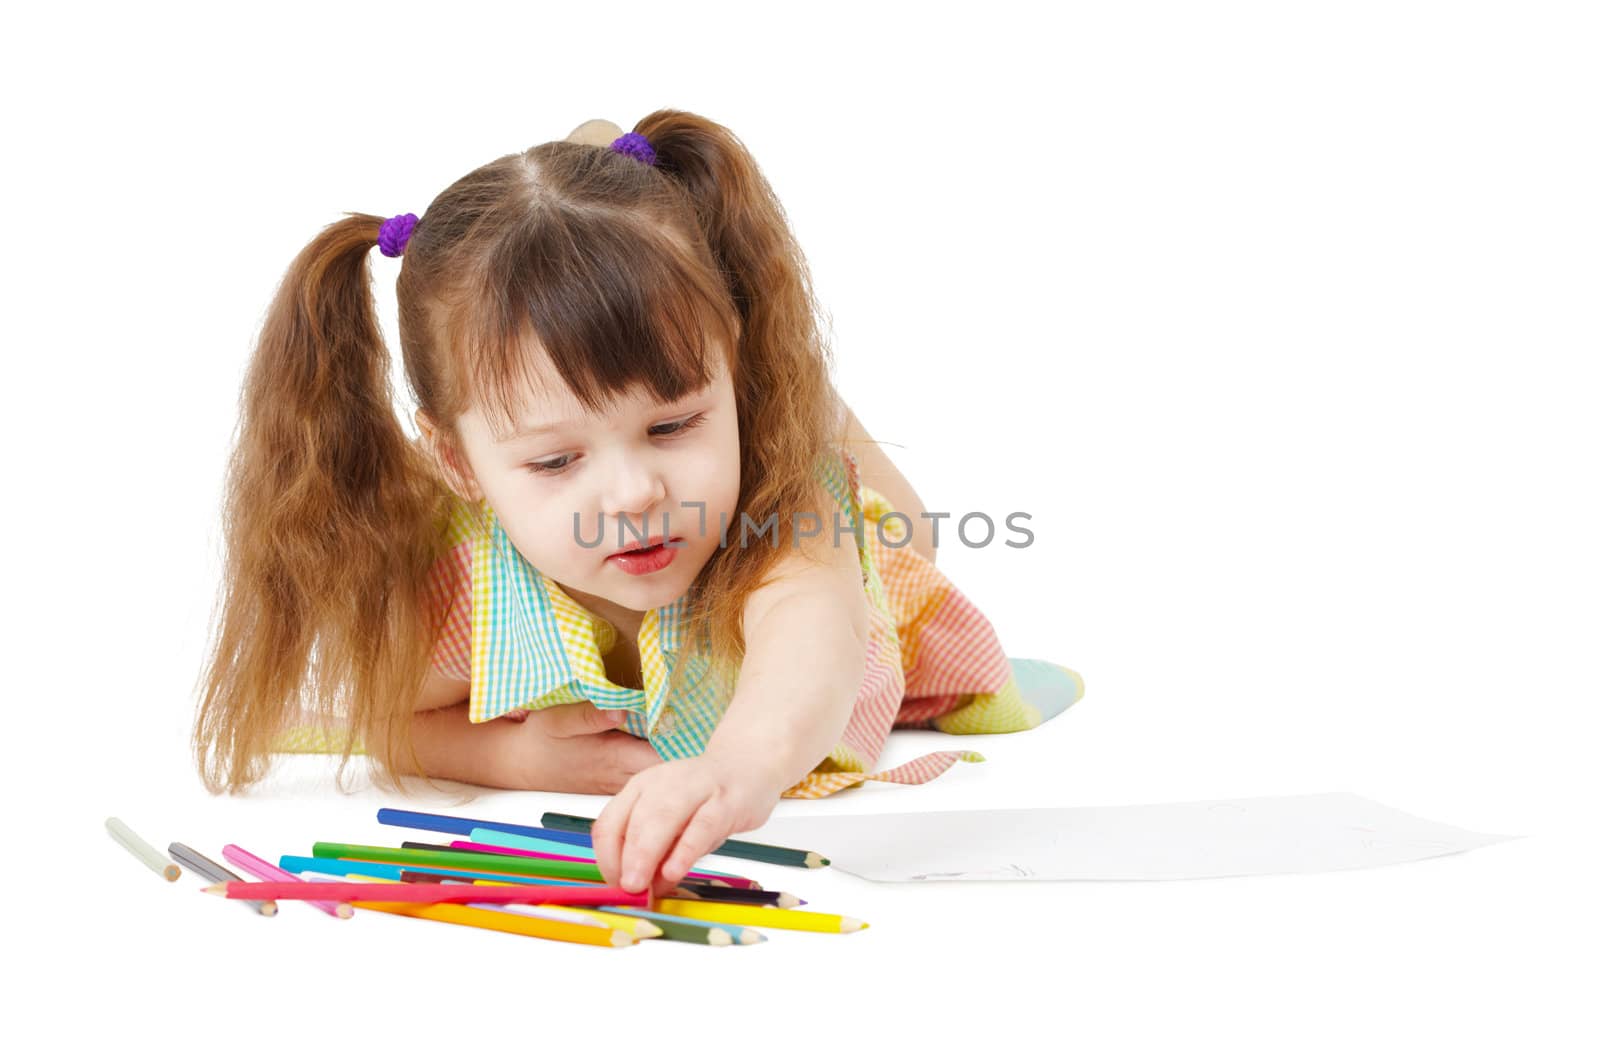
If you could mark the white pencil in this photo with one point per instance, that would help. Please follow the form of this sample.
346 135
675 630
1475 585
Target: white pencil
153 859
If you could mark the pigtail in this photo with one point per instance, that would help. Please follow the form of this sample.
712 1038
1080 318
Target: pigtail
785 390
332 520
748 232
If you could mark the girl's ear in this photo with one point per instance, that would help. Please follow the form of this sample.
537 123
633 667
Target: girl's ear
449 461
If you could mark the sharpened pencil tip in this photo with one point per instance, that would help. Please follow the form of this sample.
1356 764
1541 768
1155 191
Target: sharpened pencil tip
216 890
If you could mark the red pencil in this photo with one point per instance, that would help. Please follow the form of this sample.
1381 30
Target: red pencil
426 893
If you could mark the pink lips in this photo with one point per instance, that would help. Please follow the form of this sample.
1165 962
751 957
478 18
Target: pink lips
655 541
640 561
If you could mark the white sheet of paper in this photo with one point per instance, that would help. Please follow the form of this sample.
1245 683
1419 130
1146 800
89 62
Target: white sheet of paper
1178 840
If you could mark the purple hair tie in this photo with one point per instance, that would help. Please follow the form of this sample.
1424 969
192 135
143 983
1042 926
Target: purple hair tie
394 234
635 145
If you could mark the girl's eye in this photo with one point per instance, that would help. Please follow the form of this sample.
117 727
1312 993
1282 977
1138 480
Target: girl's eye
678 428
549 466
557 465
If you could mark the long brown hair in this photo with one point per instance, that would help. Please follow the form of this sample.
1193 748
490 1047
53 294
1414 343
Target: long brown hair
624 272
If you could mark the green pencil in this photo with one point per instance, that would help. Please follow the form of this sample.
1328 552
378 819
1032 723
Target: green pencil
485 862
794 858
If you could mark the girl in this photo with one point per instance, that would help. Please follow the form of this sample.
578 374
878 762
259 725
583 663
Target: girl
631 551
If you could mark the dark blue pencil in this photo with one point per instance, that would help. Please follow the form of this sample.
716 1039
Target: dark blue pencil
406 818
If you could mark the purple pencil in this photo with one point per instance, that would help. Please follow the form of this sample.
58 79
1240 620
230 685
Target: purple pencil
267 871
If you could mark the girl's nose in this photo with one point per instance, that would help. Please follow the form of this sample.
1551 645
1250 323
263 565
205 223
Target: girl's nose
636 489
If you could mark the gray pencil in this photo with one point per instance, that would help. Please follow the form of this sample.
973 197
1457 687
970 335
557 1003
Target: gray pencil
209 869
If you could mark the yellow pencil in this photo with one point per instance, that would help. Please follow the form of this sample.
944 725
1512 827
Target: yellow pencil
759 915
504 921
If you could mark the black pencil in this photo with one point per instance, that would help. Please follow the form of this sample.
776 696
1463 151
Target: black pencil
794 858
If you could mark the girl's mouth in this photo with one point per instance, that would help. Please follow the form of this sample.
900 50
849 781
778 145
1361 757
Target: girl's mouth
645 560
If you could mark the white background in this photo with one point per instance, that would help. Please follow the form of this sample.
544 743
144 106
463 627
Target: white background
1278 318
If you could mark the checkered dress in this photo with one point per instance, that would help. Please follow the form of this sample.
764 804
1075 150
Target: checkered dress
933 660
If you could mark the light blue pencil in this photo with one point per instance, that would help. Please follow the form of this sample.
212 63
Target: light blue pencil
332 866
490 837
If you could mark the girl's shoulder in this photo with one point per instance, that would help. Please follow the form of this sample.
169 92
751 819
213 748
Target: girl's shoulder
449 588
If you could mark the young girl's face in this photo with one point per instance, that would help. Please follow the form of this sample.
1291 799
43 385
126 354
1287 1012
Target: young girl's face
630 477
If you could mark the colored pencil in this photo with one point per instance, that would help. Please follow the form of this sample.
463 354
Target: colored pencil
446 858
490 837
214 873
695 931
335 866
727 882
798 858
776 898
471 848
413 875
503 921
639 927
408 818
147 853
463 853
635 926
755 915
582 916
513 851
487 862
422 893
263 869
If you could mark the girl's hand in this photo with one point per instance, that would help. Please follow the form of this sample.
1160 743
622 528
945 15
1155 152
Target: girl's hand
676 813
577 749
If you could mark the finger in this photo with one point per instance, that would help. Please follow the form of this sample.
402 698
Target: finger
663 886
606 834
710 827
651 833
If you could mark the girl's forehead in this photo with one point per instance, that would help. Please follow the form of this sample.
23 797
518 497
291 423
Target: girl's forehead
543 403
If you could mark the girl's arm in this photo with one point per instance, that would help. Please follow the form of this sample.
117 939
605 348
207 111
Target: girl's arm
571 748
450 745
806 631
805 658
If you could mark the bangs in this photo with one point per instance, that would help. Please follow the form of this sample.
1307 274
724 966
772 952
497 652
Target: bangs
615 301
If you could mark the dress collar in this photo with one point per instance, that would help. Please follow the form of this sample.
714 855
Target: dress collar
534 646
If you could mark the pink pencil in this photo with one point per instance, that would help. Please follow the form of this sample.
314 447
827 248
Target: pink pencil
429 893
270 872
